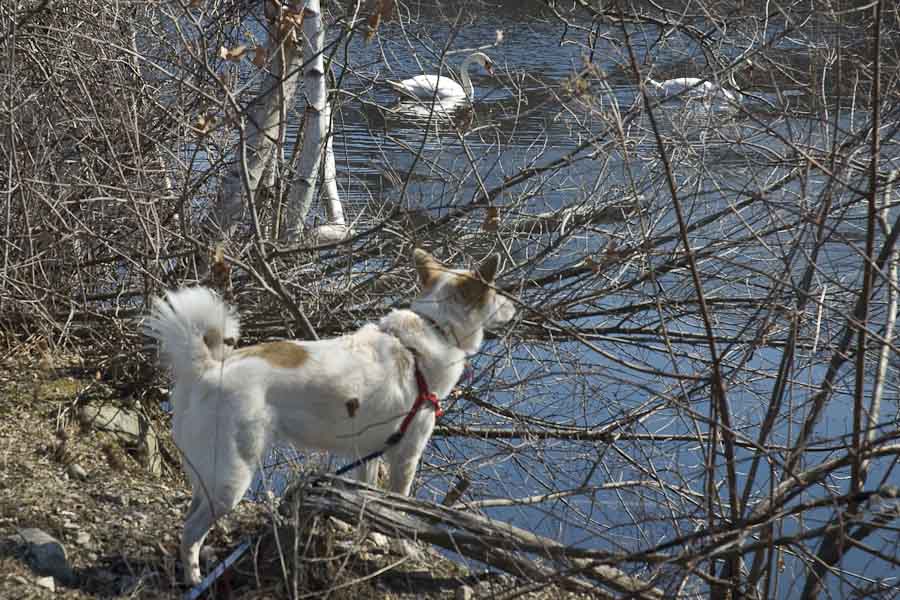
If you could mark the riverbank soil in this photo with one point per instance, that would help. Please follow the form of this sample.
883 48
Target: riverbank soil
113 504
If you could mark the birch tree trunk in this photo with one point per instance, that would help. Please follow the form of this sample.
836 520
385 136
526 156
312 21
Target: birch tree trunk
334 211
316 142
264 130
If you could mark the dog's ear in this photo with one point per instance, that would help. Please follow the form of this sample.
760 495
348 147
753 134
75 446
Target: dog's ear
427 267
487 270
475 286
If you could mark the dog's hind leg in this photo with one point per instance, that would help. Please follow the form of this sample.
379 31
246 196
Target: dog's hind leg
368 472
196 526
209 504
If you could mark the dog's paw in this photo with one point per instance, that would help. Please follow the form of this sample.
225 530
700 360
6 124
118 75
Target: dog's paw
192 577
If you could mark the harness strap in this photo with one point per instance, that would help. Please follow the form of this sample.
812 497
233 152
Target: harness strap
424 396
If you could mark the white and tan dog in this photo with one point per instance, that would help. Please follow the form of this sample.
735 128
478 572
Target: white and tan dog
346 395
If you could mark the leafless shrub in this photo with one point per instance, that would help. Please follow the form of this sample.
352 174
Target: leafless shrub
702 387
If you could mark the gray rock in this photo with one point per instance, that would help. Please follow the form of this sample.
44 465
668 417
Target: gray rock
128 426
115 419
76 471
83 539
45 554
46 582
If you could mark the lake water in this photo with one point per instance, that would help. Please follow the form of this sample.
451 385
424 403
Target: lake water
528 116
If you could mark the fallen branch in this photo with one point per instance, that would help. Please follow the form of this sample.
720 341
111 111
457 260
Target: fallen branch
603 435
573 217
496 543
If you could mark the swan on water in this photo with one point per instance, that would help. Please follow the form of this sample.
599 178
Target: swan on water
424 87
695 88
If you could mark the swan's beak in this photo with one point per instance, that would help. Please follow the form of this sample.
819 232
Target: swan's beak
489 67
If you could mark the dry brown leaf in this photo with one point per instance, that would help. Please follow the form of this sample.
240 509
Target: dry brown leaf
196 3
610 255
491 219
373 22
382 10
233 54
260 56
220 268
294 18
204 124
289 22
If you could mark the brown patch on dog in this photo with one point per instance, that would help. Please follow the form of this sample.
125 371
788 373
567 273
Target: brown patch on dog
475 286
472 290
212 338
286 355
352 406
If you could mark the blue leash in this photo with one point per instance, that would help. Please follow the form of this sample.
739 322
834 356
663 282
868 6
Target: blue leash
195 592
201 587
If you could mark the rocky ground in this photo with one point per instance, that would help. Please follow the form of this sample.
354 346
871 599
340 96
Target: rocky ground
92 498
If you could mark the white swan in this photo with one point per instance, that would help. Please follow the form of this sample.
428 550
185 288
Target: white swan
424 87
697 89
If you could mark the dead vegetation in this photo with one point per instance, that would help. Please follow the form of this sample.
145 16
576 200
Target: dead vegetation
748 258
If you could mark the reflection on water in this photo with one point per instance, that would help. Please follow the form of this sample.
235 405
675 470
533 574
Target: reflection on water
588 136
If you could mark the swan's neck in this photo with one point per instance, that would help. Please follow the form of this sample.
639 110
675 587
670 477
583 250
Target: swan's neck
464 80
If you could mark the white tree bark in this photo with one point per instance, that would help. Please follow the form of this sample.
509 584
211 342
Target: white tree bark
264 130
316 143
334 211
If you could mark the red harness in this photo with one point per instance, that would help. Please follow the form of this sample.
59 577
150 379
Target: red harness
424 397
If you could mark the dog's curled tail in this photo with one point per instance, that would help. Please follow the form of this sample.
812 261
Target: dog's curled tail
194 328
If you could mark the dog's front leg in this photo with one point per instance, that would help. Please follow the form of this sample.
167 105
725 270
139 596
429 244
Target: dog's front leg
403 463
402 474
403 459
